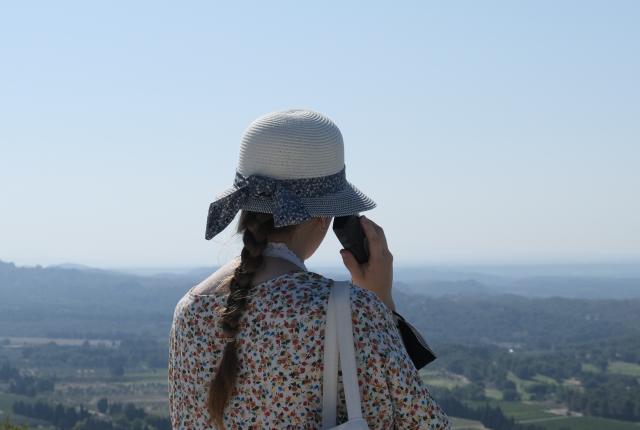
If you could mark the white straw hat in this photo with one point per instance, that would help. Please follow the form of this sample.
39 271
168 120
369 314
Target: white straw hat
291 165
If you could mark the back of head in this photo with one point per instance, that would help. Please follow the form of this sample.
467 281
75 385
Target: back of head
291 144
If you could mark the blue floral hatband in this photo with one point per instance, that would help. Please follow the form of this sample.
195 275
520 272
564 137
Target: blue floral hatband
285 193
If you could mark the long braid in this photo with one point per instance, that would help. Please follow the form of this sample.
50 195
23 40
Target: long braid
256 228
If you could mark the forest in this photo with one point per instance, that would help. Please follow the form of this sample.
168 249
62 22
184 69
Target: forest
504 361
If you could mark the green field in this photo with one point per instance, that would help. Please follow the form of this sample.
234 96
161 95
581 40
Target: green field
147 389
443 379
493 393
529 412
152 375
534 413
588 367
588 423
624 368
521 384
518 410
464 424
621 367
544 379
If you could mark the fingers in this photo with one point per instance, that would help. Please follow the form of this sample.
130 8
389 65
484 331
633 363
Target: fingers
351 263
369 230
381 235
375 236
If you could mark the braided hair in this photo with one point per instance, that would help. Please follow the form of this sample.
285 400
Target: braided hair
255 228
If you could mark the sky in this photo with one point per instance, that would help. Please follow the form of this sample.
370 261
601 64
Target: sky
486 132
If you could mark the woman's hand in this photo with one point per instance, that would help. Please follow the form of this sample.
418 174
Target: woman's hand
377 273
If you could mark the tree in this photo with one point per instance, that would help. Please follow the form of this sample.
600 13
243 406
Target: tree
510 395
116 366
92 423
103 405
8 425
132 412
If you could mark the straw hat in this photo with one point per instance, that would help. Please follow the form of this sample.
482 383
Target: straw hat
291 165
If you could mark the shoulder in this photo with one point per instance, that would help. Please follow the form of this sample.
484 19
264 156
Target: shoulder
374 328
202 299
319 281
212 282
363 301
313 286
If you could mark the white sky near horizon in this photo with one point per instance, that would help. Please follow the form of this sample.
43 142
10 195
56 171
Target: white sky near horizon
487 131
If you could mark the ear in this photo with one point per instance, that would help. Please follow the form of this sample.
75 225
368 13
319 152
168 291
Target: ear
324 221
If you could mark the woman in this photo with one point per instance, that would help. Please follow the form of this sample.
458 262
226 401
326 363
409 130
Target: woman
246 344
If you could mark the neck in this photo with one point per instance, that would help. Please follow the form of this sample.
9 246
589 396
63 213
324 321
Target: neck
294 247
281 250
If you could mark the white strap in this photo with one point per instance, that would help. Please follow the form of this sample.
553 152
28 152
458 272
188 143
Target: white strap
347 352
339 318
330 371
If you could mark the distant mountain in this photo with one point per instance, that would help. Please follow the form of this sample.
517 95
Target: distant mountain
494 273
467 287
597 281
505 318
81 267
59 302
589 287
80 303
540 286
194 272
593 281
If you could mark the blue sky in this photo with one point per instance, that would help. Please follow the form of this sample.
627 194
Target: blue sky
485 131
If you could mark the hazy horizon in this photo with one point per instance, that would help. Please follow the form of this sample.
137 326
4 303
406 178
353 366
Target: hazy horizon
613 269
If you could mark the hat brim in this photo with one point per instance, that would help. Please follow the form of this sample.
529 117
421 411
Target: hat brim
348 201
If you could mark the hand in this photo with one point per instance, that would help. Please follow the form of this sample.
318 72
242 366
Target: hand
377 273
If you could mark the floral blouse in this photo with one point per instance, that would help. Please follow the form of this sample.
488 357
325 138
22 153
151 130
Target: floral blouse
280 351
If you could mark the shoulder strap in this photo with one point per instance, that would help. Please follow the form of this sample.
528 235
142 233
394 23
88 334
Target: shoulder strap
339 318
330 369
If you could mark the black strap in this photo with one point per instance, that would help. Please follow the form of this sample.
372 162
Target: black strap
416 346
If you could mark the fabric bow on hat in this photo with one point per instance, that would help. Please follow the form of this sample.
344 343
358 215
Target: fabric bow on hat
288 208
